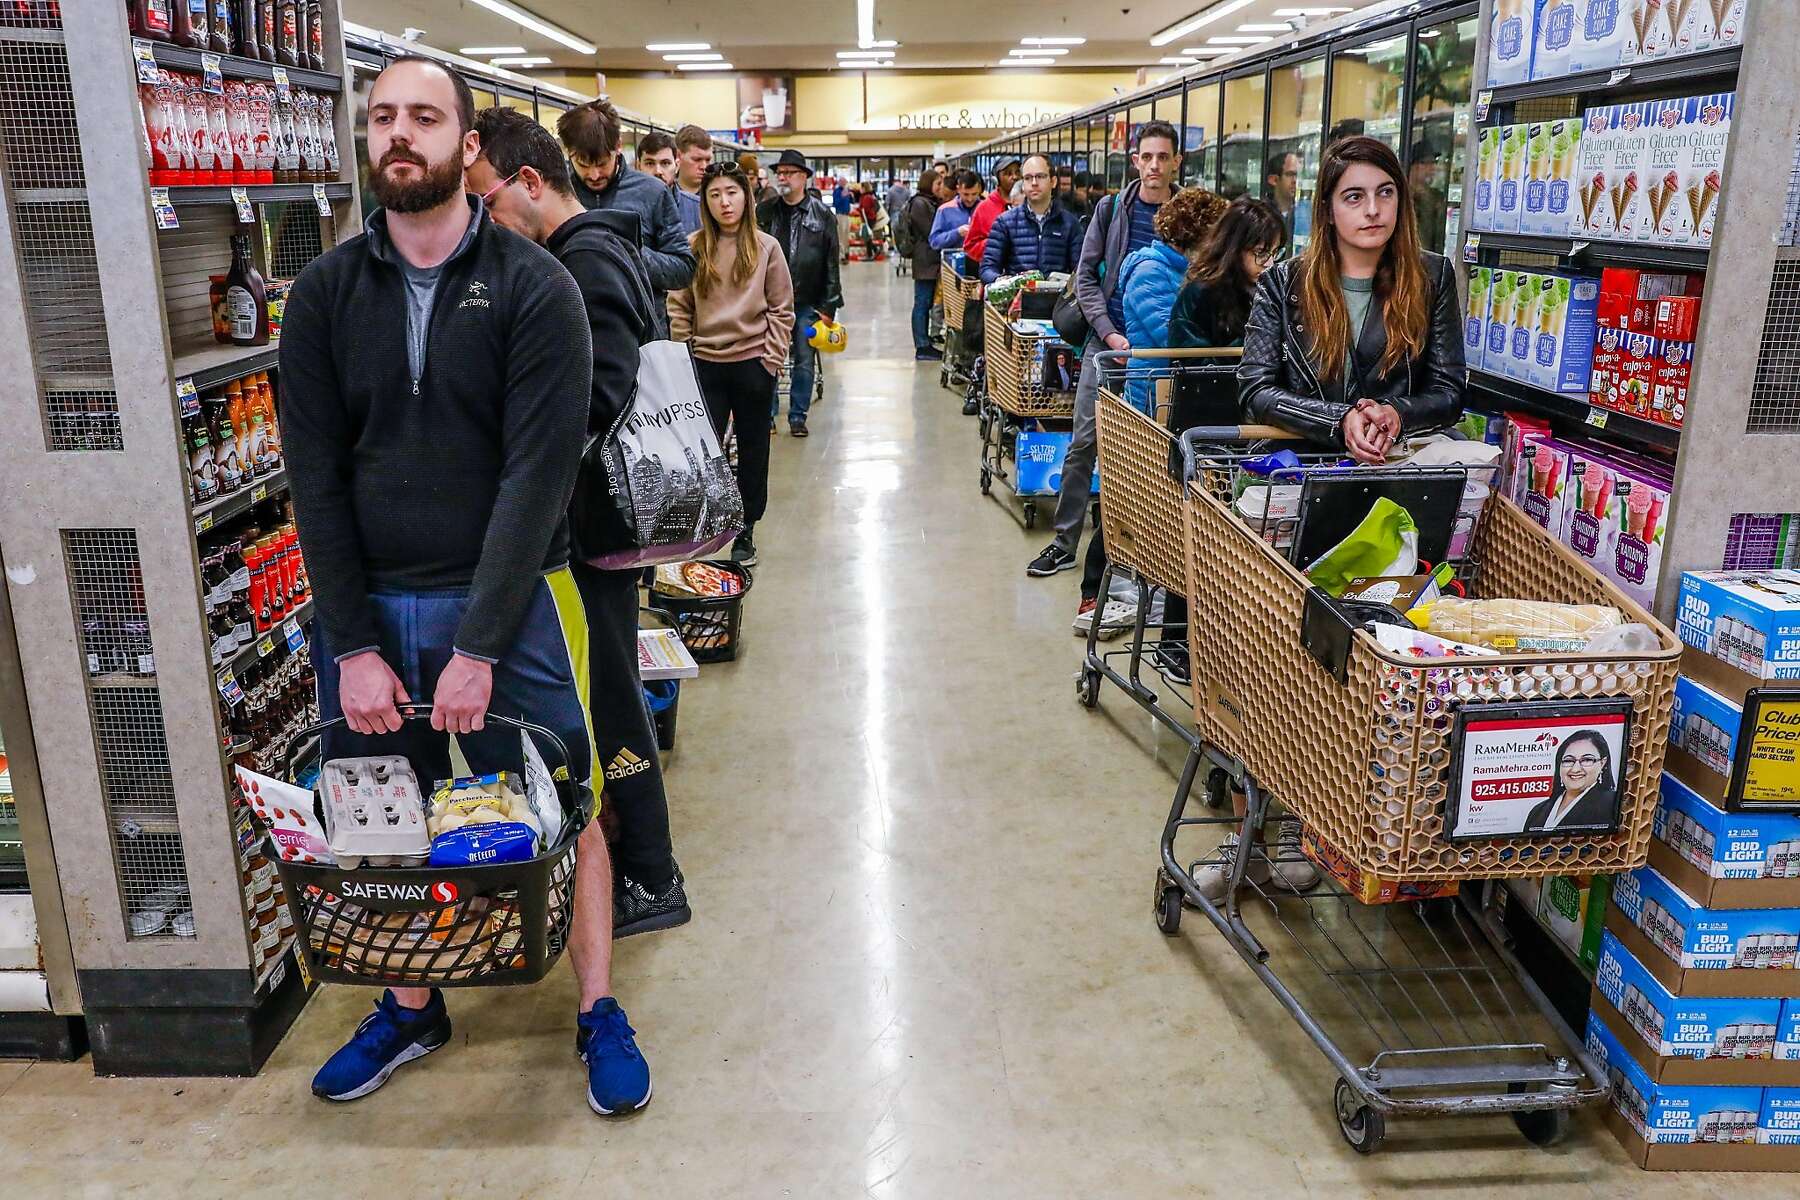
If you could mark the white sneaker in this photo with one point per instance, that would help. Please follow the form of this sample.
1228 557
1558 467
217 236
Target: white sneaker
1292 869
1116 618
1212 878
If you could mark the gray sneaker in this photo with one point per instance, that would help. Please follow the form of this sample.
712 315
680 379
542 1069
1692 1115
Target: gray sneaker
1292 869
1212 878
636 910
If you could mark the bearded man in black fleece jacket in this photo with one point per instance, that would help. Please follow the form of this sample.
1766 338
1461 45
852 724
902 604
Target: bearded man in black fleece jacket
522 172
435 386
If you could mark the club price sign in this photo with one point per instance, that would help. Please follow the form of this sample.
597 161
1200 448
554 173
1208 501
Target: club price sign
1538 769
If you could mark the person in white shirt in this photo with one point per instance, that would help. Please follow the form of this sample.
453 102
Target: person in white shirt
1585 794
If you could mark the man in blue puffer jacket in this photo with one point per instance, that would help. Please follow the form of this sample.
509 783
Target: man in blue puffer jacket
1152 276
1039 235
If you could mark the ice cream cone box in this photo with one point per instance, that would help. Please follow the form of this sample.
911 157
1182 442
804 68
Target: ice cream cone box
1562 354
1601 36
1669 389
1628 161
1588 527
1637 374
1555 36
1590 212
1521 333
1651 20
1487 164
1727 21
1533 203
1546 494
1707 120
1640 523
1505 294
1603 385
1559 183
1510 41
1689 24
1509 189
1667 132
1677 318
1475 316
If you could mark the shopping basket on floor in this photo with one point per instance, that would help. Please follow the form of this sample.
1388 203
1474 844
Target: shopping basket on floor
475 926
711 626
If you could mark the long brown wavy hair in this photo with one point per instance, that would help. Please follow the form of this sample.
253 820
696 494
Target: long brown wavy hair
706 239
1400 284
1249 226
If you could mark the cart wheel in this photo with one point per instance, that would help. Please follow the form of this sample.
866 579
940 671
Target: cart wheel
1361 1125
1218 786
1168 906
1087 688
987 480
1545 1126
1031 516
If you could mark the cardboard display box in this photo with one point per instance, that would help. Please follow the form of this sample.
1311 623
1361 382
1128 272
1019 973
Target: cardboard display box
1723 859
1746 941
1695 981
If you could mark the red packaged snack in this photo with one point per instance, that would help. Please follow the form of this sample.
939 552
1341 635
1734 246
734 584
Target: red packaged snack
199 128
218 126
1669 388
1604 387
237 112
159 125
1677 318
1638 360
262 132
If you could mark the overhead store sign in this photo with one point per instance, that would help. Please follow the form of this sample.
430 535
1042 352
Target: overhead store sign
966 116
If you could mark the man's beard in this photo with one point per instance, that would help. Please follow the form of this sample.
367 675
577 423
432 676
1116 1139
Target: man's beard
437 183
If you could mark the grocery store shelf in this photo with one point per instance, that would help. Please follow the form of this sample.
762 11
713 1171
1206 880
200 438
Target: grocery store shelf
1651 435
206 362
224 508
265 643
236 66
1689 71
278 965
259 193
1641 254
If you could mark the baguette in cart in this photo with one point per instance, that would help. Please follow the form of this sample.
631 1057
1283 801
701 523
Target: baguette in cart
1384 741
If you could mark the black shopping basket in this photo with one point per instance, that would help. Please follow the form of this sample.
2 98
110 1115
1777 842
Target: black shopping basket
711 626
476 926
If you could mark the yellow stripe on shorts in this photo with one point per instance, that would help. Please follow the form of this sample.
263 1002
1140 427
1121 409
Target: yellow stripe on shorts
571 616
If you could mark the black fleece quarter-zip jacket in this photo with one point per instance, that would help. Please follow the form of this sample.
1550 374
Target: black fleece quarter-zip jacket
459 479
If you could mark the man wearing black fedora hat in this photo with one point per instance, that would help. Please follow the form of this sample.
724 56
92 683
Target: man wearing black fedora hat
807 231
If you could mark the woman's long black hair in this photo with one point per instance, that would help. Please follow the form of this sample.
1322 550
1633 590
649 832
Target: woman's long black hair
1249 226
1606 770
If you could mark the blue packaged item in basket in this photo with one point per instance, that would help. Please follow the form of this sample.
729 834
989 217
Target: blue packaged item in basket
1268 464
484 845
1039 457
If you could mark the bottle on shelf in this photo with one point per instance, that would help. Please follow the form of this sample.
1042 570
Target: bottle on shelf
266 21
244 16
237 115
221 430
315 34
224 28
245 297
153 20
328 134
203 474
218 130
199 131
190 25
265 400
158 102
287 33
287 142
263 130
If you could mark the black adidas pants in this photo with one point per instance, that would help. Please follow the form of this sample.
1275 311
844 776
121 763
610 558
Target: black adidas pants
624 739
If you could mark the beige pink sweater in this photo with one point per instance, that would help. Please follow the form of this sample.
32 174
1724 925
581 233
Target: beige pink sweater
754 319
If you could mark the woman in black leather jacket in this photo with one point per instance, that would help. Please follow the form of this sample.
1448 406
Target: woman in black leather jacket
1358 340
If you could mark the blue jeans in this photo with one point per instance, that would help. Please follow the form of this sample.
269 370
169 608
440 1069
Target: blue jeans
924 296
802 370
541 679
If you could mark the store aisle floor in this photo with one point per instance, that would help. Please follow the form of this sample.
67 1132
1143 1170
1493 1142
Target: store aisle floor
923 962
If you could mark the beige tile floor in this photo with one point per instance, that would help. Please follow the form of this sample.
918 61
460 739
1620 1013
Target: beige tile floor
923 963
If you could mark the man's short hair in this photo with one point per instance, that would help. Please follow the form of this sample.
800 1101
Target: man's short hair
1083 179
1065 172
689 137
1157 129
965 178
1277 162
511 140
590 131
654 142
465 99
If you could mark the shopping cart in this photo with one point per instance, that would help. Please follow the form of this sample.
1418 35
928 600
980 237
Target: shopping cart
464 926
1141 520
1015 402
1432 1013
956 294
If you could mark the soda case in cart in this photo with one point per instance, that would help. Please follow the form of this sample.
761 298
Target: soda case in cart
1376 754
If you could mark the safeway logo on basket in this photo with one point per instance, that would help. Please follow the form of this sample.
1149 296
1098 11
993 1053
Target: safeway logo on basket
443 891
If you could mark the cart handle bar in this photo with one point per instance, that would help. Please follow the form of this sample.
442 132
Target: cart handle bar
419 712
1208 435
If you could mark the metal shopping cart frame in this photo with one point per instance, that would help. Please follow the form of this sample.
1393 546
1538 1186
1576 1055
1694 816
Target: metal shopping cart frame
1454 1023
1013 401
955 294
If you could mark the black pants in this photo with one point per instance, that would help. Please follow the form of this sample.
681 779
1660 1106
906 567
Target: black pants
745 393
625 741
1095 565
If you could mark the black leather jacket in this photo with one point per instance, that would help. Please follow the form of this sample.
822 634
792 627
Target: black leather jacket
808 235
1280 383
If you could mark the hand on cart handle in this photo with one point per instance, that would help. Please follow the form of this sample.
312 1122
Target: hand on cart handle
461 702
369 693
1117 341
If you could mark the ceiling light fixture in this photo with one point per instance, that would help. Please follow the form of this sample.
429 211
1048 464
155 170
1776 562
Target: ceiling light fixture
1199 20
485 51
845 54
1206 51
1265 27
1311 11
1052 41
1172 61
1027 62
862 64
659 47
555 33
865 23
1054 52
529 60
1232 39
712 57
709 66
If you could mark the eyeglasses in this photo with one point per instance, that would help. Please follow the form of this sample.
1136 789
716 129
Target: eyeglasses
1265 257
487 197
1586 760
1035 178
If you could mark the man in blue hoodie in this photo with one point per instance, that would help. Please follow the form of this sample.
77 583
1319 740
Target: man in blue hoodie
590 137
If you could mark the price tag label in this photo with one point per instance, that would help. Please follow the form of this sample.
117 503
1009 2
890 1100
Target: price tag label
203 522
295 639
163 208
1619 76
283 92
277 975
189 398
1597 417
212 78
259 493
1577 248
1472 248
229 688
300 967
265 645
1484 99
320 201
146 61
240 196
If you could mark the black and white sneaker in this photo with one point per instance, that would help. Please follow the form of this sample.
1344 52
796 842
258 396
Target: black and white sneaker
1171 658
743 550
635 910
1053 559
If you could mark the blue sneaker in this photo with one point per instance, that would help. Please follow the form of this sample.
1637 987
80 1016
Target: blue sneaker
388 1038
618 1076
